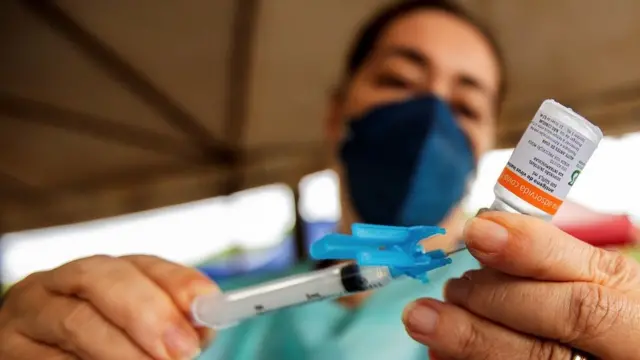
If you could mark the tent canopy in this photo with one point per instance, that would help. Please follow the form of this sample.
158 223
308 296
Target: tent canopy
117 106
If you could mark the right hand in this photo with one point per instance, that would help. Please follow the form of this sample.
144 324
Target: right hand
101 307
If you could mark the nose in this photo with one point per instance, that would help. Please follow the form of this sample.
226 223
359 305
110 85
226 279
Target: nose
438 84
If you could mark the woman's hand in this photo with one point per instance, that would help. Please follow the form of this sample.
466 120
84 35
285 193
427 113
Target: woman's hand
133 307
541 293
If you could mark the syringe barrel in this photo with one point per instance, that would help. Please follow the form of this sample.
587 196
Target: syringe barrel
226 309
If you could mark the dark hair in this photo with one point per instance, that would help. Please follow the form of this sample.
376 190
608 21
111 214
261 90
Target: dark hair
372 30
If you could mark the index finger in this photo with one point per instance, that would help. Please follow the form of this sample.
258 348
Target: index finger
182 283
529 247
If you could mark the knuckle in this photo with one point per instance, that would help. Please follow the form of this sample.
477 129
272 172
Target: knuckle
547 350
32 278
617 265
591 313
154 315
170 271
606 266
91 261
86 265
486 296
497 295
141 258
74 324
18 296
81 274
145 312
25 284
16 292
180 281
469 341
188 278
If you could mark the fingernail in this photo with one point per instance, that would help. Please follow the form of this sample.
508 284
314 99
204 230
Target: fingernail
181 344
420 318
204 289
485 235
185 297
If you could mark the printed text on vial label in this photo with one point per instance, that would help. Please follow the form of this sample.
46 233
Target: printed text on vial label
550 157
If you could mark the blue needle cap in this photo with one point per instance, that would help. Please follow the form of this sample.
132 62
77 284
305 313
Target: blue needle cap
396 247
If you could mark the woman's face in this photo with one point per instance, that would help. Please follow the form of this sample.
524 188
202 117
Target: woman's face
429 51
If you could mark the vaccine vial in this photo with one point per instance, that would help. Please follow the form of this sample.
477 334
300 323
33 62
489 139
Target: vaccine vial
546 162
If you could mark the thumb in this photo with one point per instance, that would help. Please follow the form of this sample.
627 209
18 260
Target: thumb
529 247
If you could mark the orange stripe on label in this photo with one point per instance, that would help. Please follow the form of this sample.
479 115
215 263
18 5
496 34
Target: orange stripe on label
529 192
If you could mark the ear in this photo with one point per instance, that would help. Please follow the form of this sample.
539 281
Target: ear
334 126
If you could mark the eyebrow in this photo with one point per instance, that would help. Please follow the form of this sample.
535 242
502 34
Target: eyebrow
418 59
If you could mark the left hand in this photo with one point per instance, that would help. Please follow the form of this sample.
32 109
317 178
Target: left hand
541 293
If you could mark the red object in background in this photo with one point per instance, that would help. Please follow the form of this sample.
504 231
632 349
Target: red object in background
598 229
613 231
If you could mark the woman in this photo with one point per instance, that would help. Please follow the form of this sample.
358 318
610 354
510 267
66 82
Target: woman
416 109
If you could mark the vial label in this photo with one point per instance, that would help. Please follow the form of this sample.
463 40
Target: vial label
546 163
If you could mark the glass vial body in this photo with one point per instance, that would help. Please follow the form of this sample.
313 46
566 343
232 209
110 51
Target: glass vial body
546 163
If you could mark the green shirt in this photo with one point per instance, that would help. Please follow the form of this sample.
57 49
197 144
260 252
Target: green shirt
326 330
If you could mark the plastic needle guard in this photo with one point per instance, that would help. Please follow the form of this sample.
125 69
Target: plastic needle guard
396 247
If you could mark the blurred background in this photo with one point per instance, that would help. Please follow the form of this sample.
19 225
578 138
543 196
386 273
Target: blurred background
193 130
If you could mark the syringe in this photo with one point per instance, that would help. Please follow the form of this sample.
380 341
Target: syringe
226 309
382 253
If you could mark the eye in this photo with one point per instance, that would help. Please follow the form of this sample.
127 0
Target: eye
465 111
392 81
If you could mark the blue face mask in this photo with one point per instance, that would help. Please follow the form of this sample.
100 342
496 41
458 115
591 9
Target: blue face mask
407 163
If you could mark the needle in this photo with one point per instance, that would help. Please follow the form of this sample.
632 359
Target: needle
457 250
